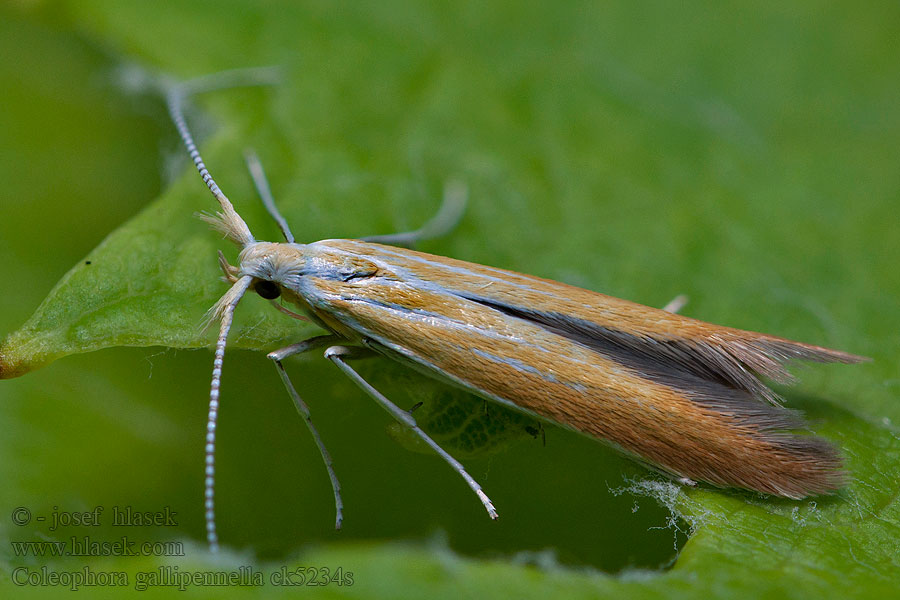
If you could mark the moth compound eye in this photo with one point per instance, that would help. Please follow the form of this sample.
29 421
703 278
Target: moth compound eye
267 289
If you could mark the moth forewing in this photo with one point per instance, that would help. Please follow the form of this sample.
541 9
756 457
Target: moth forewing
678 393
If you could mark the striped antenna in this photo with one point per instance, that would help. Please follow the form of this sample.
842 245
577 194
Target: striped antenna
175 97
236 229
225 310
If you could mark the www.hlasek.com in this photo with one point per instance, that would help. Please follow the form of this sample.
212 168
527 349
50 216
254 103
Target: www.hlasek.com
85 545
173 577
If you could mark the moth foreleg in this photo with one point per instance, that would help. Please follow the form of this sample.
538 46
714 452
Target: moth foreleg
304 346
277 356
339 356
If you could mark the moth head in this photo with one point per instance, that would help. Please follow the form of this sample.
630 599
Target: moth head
264 286
269 264
272 270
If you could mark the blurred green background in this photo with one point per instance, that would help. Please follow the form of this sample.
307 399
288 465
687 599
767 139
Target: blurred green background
745 156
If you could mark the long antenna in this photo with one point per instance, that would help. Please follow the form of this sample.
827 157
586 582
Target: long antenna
225 309
176 93
237 230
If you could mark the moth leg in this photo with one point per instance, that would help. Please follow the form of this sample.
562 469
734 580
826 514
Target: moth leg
265 192
279 355
304 346
446 219
676 303
339 356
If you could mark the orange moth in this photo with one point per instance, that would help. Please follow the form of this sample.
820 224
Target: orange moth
679 394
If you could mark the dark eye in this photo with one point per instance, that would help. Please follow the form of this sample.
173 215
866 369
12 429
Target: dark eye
267 289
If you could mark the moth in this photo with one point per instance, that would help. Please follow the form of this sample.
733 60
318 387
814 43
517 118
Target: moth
684 396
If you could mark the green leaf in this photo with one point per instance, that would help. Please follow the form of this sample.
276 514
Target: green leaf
744 157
